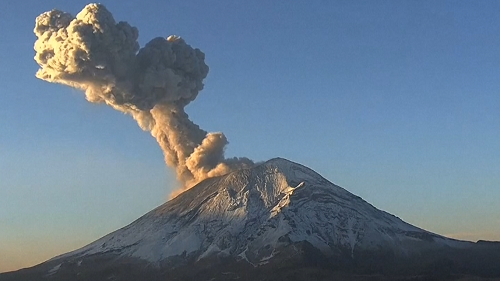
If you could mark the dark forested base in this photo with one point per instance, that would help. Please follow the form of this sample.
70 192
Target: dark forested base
480 263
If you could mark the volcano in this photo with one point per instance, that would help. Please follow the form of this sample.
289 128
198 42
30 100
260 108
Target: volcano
278 220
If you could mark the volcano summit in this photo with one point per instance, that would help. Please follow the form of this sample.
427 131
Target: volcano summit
276 221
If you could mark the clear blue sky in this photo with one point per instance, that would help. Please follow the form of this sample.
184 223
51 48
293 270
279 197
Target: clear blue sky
396 101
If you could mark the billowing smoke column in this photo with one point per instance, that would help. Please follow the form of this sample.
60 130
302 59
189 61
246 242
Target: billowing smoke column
153 84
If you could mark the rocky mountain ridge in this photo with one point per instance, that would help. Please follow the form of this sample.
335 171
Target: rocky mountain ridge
251 213
276 215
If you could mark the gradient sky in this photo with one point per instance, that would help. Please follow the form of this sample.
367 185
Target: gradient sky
396 101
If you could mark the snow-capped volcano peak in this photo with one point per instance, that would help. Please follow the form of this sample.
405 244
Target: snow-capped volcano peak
276 221
255 213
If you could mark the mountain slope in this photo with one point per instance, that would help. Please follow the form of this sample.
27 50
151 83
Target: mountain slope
278 213
250 213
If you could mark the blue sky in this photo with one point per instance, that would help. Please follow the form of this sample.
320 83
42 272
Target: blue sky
396 101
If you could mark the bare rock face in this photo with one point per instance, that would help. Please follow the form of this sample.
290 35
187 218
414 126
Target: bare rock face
251 224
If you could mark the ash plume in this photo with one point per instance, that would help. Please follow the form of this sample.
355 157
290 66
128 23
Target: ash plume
153 84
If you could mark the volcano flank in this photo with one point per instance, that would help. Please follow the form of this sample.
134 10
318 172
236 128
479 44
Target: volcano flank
276 221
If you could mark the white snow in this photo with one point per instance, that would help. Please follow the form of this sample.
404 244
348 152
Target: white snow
53 270
252 213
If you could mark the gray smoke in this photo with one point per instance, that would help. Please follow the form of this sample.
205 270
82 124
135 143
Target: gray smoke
93 53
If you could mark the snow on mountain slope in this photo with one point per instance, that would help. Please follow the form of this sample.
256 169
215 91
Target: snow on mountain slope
251 214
